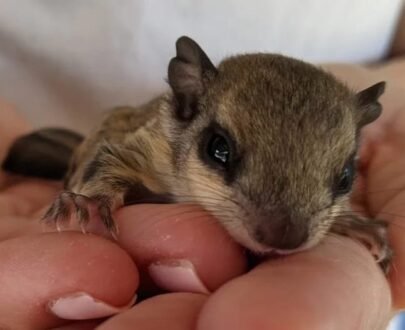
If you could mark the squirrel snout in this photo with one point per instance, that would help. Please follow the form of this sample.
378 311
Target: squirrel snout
280 231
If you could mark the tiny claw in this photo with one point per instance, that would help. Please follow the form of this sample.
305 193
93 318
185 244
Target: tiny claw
370 232
83 229
58 228
82 211
107 219
385 259
115 234
60 212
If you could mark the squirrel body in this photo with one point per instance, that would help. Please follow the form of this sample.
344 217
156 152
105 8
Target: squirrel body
266 143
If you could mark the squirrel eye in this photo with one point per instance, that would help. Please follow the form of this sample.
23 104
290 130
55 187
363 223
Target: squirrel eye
345 180
218 149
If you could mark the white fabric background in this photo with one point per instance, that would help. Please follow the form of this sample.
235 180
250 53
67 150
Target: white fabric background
62 61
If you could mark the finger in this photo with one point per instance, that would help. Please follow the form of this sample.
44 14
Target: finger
394 211
70 275
177 311
336 285
12 125
386 196
22 206
27 197
386 200
181 247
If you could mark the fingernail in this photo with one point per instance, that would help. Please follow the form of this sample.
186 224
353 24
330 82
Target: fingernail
176 275
82 306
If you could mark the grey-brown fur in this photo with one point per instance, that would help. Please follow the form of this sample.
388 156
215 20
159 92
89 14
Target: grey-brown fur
294 128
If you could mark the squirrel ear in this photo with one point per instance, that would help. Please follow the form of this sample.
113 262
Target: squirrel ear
367 101
186 75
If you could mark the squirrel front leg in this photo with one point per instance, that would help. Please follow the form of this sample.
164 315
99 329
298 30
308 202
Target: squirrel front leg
102 182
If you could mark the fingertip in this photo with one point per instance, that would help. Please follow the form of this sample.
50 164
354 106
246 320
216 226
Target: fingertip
334 286
154 234
397 268
39 269
174 311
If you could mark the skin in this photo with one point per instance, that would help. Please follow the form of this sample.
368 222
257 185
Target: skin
333 286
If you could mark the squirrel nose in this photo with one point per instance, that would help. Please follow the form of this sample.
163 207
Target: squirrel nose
282 232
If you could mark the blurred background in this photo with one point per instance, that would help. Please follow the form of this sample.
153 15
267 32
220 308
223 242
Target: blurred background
64 62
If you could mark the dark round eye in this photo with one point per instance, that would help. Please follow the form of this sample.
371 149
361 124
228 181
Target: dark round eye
218 149
345 181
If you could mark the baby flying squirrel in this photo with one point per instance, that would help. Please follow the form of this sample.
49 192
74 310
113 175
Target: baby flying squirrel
266 143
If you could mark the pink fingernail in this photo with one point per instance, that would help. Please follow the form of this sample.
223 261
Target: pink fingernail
176 275
82 306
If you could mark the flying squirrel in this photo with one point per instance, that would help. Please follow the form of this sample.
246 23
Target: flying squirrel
266 143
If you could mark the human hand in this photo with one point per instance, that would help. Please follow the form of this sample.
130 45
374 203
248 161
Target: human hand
336 284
